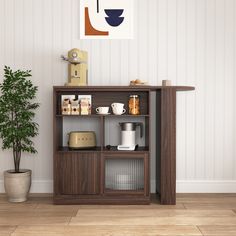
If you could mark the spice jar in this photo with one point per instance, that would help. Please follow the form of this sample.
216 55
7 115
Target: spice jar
134 106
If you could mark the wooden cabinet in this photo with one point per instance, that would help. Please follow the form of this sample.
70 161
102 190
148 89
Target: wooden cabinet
78 173
104 175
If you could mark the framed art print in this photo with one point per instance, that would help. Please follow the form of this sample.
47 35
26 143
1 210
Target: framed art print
106 19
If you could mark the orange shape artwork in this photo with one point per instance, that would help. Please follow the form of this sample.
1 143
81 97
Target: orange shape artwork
89 29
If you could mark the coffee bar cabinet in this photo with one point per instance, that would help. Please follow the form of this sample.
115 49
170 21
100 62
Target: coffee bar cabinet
102 174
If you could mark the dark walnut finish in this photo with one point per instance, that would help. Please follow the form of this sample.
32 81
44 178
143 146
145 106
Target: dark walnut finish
168 147
79 175
105 98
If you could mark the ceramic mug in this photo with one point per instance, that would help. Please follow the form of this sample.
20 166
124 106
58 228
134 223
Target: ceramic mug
118 108
102 110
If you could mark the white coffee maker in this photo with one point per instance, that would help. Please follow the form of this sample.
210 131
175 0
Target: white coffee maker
128 135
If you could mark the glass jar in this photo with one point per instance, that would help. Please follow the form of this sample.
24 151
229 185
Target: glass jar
134 105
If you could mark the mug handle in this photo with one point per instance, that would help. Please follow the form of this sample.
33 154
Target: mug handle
112 105
123 111
97 110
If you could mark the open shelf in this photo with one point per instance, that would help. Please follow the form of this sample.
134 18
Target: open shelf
114 149
67 149
106 98
82 116
98 115
105 150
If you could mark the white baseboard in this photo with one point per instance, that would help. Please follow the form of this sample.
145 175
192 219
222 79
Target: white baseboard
182 186
206 186
202 186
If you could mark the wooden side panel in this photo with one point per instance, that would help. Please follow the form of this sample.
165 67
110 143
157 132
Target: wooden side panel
168 147
147 175
57 141
158 141
79 173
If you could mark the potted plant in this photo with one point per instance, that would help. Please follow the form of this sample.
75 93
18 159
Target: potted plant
17 128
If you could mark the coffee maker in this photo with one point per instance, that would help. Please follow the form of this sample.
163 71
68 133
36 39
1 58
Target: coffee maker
128 135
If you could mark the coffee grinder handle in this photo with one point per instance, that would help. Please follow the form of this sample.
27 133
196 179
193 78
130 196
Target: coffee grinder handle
141 128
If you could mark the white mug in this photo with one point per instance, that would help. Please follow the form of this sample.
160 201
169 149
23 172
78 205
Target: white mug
118 108
102 110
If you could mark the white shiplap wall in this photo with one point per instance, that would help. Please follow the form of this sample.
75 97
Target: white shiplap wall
191 42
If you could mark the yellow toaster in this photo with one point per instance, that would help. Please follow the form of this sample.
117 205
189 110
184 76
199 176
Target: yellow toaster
82 139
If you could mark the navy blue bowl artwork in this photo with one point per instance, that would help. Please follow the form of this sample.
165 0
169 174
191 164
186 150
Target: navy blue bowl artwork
114 17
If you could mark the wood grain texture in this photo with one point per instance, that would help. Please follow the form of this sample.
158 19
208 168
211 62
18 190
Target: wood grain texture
123 88
41 217
218 230
168 147
207 198
210 206
154 212
78 173
69 170
7 230
207 201
36 220
107 230
146 220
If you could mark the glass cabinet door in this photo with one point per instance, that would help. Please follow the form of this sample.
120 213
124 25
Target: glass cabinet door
126 172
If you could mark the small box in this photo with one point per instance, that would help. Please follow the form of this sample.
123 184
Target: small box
75 109
85 104
66 104
66 110
66 107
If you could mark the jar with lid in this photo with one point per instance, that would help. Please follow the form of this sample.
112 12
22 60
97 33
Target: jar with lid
134 105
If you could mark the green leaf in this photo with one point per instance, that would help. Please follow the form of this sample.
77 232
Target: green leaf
17 111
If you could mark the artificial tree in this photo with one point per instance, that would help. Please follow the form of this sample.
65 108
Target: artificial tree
17 106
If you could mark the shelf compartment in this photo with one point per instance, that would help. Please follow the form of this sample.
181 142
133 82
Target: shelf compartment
70 125
113 130
81 116
97 115
114 149
106 98
70 150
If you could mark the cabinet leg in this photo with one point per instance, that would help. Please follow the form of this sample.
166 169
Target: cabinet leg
168 147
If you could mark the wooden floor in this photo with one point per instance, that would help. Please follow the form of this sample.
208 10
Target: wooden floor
194 214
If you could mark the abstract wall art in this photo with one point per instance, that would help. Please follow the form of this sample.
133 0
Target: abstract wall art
106 19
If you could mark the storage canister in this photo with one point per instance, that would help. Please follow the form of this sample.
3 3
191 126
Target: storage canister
134 105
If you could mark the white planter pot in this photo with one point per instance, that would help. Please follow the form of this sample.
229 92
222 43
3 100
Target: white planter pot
17 185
